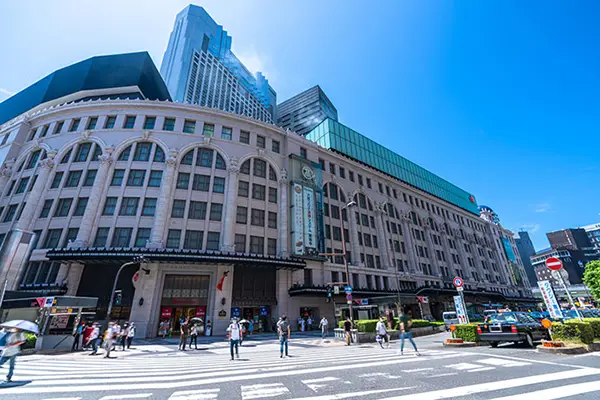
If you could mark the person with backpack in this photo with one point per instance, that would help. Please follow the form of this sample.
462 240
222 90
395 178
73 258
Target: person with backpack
235 336
405 333
130 334
283 328
14 339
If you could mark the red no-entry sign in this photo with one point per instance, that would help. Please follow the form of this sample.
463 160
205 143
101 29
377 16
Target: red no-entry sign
553 263
458 282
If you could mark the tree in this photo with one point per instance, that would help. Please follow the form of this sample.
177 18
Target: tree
591 278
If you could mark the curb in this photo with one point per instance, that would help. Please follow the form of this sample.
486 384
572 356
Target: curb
562 350
464 344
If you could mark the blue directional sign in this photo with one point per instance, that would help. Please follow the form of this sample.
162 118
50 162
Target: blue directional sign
348 289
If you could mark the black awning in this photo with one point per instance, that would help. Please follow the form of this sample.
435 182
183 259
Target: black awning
299 290
91 256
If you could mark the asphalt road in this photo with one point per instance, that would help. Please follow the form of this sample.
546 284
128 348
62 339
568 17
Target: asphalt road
316 370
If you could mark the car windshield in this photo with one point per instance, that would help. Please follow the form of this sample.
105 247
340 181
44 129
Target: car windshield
502 318
450 315
536 314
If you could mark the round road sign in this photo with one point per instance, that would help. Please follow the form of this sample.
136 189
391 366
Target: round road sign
553 263
458 282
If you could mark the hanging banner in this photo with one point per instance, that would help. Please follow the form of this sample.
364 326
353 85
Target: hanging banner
201 312
550 299
310 239
460 309
165 312
298 220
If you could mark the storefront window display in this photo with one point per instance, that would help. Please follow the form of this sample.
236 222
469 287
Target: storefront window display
184 297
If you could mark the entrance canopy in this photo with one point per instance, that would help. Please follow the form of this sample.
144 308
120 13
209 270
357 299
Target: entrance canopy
119 256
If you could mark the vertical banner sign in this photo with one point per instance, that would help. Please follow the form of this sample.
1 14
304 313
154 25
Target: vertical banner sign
298 220
550 299
320 205
310 239
460 310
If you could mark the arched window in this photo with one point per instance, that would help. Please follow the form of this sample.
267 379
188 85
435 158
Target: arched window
245 168
97 153
83 152
220 162
188 158
66 157
205 158
33 159
142 151
159 154
124 156
272 175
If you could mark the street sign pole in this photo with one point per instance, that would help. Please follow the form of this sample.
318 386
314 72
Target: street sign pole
564 285
462 298
458 283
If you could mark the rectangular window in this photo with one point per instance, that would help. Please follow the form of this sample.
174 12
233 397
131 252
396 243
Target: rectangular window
322 164
244 137
45 131
169 124
155 178
12 185
273 195
303 153
136 177
92 123
351 176
201 182
308 277
121 237
101 237
149 207
197 210
212 240
173 238
110 122
275 146
129 206
240 243
241 215
216 211
142 152
243 188
80 206
178 209
337 233
258 191
189 126
117 179
129 122
73 179
63 207
272 220
219 185
260 141
332 168
335 212
58 127
46 209
149 122
52 238
342 172
22 185
74 125
109 206
367 240
257 217
271 247
226 133
10 213
257 245
360 179
90 177
71 236
208 130
183 180
193 240
142 237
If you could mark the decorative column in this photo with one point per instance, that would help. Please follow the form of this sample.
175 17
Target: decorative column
228 242
27 216
163 203
432 257
96 195
381 237
283 214
354 243
410 244
5 174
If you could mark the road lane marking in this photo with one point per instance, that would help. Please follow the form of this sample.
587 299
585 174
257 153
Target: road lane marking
260 391
338 396
318 383
463 366
557 392
204 394
500 362
127 396
482 369
440 375
417 370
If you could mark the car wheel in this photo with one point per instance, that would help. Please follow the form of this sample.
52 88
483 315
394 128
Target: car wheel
529 340
494 344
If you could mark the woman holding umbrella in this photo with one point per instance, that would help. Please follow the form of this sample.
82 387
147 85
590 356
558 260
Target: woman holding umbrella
15 338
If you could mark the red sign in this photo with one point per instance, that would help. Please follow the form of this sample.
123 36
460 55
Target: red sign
165 312
41 301
201 312
553 263
458 282
136 277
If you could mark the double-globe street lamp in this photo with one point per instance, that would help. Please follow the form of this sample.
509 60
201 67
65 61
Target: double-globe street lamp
136 260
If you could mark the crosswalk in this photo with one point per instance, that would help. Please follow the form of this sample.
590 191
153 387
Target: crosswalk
311 373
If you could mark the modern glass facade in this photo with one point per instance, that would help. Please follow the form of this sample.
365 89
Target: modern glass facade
332 135
305 110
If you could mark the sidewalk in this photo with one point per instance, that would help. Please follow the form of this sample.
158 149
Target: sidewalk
257 337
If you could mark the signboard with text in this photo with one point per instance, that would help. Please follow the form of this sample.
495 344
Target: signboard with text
298 220
310 240
460 310
550 299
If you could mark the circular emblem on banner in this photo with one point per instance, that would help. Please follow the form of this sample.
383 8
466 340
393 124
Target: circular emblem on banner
307 173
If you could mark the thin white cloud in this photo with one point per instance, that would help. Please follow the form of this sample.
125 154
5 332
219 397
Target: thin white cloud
531 228
543 207
256 62
6 91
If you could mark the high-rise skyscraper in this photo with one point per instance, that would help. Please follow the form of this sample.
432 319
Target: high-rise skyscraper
526 250
199 68
305 110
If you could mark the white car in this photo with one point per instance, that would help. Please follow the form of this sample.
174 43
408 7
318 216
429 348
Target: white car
450 318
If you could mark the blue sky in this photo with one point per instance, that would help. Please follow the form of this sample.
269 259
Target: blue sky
500 99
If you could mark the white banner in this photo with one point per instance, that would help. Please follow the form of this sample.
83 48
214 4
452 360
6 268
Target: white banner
298 226
310 239
460 310
550 299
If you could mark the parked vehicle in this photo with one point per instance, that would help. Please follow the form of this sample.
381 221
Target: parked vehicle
538 316
450 318
487 313
518 327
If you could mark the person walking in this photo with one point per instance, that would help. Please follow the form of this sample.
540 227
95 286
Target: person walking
348 331
323 325
123 335
93 339
382 334
183 334
194 336
15 338
130 334
109 337
283 329
405 333
235 335
77 335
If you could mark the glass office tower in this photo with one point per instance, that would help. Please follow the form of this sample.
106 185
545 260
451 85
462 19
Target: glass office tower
196 32
305 110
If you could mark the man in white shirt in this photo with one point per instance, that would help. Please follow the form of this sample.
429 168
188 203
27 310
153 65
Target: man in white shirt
382 332
323 325
15 338
94 338
235 335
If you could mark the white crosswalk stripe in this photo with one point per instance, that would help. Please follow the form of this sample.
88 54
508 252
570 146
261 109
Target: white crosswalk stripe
205 394
262 391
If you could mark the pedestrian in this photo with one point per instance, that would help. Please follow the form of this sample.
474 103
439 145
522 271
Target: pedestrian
123 335
163 329
382 334
348 331
77 335
194 336
251 327
183 334
109 337
130 334
302 324
235 336
116 333
208 331
309 323
283 329
323 325
93 338
405 333
14 339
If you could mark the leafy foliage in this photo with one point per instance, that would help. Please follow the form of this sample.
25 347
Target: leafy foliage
595 323
466 332
573 331
591 277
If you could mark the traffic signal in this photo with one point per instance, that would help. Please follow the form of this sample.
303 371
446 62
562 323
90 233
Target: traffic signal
118 297
329 292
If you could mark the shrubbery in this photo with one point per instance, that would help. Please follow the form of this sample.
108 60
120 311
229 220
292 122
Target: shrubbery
466 332
595 323
573 331
30 340
368 325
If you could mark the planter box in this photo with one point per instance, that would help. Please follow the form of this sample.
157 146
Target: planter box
369 337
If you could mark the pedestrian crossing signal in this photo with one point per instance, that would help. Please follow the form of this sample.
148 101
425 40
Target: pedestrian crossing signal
118 297
329 291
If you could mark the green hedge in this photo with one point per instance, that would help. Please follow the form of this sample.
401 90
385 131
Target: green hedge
573 331
466 332
30 340
368 325
595 323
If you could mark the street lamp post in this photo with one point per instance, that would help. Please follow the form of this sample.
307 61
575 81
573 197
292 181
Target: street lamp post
136 260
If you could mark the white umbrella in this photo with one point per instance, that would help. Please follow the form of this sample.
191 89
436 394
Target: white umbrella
22 324
244 321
